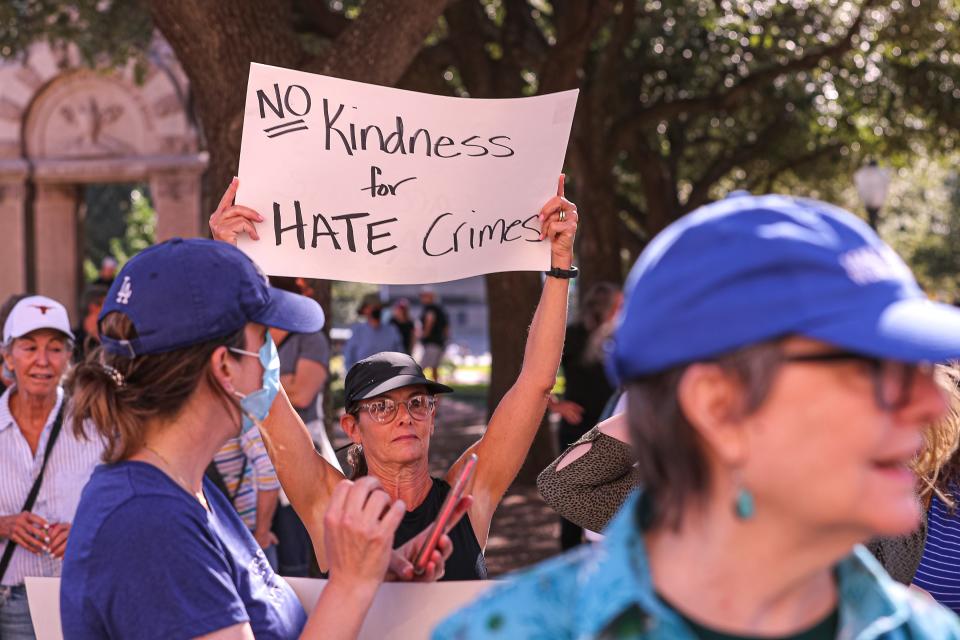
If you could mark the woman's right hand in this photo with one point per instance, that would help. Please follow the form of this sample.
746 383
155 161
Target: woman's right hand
28 530
230 220
358 532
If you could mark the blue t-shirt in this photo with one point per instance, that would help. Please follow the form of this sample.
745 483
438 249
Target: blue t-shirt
146 560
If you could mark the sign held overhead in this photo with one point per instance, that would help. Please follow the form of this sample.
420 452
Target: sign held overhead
372 184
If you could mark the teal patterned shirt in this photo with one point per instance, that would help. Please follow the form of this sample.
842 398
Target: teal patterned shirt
605 591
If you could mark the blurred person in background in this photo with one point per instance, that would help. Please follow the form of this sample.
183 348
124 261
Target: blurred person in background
87 334
242 470
586 389
370 335
434 332
107 273
400 318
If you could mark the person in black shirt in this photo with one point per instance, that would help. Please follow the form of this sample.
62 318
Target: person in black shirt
587 387
400 318
435 331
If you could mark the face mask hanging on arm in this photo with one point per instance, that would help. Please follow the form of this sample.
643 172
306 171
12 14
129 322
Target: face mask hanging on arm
256 405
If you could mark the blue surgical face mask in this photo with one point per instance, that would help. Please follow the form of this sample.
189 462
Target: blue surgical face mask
256 405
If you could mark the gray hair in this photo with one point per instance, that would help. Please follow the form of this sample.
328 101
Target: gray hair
671 461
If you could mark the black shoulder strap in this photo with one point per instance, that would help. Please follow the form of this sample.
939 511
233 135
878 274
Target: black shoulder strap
216 478
35 489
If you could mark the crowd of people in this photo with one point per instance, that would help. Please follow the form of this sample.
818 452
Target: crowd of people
758 403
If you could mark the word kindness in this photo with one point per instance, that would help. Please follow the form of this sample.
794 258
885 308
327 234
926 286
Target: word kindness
360 233
341 134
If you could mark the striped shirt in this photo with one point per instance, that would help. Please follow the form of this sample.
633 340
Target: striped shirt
247 455
71 463
939 570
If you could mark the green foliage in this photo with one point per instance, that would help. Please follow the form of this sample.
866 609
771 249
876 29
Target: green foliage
922 221
105 32
130 206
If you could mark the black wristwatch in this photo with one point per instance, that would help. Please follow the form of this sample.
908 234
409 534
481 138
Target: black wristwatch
566 274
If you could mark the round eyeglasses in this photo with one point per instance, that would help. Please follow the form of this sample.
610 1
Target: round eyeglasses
383 410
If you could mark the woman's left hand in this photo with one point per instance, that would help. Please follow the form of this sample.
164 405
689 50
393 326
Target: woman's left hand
560 232
401 562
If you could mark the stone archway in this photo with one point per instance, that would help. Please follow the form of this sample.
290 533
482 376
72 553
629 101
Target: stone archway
63 125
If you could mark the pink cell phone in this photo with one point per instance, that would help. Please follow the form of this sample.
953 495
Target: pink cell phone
439 525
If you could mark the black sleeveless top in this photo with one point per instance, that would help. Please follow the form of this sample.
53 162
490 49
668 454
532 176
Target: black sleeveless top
466 562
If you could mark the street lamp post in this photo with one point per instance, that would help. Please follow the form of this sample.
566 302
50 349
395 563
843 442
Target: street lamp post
872 182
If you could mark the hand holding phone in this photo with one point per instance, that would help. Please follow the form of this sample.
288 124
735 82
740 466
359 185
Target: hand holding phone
440 525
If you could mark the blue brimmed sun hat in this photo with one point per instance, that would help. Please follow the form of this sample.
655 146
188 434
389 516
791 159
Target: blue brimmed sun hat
753 268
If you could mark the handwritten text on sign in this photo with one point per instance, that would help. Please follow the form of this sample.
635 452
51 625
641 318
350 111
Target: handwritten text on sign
365 183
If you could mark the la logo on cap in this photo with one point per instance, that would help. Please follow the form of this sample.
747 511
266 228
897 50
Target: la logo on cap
126 290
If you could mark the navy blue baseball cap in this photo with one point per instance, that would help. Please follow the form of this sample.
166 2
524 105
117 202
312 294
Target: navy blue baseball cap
753 268
182 292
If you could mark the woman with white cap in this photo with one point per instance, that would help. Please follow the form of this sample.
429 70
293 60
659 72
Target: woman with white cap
43 463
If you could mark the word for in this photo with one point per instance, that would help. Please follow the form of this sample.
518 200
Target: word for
377 189
464 236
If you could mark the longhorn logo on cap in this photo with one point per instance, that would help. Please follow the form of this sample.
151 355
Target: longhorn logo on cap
43 308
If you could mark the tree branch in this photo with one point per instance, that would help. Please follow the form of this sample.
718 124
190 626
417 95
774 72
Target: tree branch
363 53
720 100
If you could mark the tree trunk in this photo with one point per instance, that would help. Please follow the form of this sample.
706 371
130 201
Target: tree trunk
599 244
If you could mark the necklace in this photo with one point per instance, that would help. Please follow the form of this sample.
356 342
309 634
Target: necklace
177 478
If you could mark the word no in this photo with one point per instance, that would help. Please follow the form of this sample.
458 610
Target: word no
277 108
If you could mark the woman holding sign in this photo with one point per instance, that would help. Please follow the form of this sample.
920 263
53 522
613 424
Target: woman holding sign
391 407
186 363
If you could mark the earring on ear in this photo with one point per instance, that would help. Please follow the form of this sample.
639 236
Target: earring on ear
744 506
354 454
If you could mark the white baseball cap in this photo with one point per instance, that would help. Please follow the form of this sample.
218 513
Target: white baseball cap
36 312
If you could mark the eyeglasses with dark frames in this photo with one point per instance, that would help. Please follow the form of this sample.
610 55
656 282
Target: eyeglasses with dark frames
383 410
892 379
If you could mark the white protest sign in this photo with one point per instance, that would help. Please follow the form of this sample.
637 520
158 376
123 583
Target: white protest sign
402 610
371 184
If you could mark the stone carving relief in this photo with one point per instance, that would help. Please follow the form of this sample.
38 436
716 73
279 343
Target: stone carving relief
88 116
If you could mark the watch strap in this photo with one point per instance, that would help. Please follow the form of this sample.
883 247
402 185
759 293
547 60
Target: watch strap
566 274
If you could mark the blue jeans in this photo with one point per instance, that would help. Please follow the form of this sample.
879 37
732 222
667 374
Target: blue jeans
15 623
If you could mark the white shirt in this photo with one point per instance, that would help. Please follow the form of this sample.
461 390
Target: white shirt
71 463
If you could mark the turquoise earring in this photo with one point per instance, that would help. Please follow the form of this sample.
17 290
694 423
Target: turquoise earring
744 506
